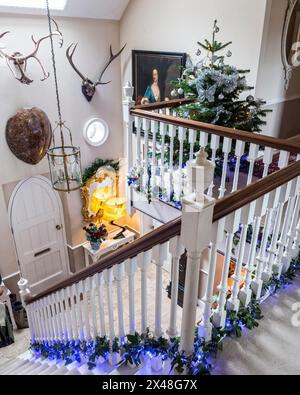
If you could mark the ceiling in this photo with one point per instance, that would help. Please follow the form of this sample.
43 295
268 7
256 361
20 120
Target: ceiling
97 9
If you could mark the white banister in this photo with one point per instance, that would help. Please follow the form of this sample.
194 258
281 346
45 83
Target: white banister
71 292
93 286
130 269
101 305
158 289
172 135
79 310
176 250
85 290
119 274
144 261
68 306
108 278
252 156
192 141
227 144
239 152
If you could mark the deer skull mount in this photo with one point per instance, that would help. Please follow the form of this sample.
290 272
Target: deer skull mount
17 62
88 86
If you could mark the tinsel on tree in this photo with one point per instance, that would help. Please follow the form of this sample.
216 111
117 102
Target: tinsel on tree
218 88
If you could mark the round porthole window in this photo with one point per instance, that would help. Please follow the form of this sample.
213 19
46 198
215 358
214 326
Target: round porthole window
96 132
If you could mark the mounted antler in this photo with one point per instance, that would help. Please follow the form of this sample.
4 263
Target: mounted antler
17 62
88 86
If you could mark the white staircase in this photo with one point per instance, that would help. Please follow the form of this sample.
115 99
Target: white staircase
31 366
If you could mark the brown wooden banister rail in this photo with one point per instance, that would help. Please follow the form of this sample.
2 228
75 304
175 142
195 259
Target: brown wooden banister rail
166 232
249 137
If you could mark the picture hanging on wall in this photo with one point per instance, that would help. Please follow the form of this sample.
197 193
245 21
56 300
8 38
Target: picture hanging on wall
152 73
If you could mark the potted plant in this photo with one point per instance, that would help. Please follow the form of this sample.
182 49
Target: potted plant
95 235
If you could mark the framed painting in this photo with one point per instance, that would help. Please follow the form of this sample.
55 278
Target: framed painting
152 73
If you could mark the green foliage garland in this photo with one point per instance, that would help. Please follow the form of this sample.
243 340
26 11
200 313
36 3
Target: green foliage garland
93 168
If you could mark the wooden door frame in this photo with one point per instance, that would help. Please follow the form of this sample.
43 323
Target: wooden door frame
61 212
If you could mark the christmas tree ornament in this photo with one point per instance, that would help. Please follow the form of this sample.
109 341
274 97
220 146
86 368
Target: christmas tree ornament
229 54
180 91
174 93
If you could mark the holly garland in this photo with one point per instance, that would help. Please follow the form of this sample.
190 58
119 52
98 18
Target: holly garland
94 167
134 348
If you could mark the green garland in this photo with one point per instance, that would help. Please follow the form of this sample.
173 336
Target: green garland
94 167
133 348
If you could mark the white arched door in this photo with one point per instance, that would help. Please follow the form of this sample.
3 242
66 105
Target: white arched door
37 223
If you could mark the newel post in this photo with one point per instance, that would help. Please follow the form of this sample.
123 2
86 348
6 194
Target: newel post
196 234
128 103
24 291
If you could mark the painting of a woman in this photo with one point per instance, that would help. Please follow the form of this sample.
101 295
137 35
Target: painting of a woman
153 73
152 94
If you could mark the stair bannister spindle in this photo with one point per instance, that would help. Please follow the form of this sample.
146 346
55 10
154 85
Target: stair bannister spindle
130 269
119 274
108 278
79 310
71 291
176 250
192 141
231 227
101 305
162 131
66 297
63 315
252 156
227 144
93 286
246 292
239 152
214 145
267 160
158 289
144 261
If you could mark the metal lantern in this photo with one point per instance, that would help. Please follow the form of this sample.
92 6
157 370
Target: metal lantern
64 160
64 163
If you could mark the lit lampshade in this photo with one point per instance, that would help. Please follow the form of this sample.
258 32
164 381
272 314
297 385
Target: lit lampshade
115 209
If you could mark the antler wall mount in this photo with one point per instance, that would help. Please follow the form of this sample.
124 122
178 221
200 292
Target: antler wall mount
88 86
17 62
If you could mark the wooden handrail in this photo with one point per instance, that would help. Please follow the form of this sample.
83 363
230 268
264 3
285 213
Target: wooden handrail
239 199
164 104
163 234
248 137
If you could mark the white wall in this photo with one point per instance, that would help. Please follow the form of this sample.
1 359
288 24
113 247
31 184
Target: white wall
94 37
170 25
283 122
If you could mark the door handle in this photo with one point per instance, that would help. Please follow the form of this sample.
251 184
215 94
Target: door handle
58 227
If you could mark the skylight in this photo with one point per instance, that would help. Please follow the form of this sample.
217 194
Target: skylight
34 4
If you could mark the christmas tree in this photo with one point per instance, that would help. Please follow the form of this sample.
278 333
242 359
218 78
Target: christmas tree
217 88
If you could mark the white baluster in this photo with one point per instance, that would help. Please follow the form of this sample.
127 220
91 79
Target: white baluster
138 123
172 135
144 261
267 160
204 141
93 287
46 320
108 278
239 152
51 319
181 138
246 291
85 290
71 292
227 143
232 226
42 321
54 317
63 309
253 154
101 305
79 290
119 273
162 131
154 130
214 145
176 249
262 256
130 268
66 297
158 290
277 267
234 302
273 247
192 141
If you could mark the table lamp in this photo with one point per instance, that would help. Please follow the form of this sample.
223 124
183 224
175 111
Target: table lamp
115 209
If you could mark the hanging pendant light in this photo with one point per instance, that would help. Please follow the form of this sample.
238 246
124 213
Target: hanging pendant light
64 160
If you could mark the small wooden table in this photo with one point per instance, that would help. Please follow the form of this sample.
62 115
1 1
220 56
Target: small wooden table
107 246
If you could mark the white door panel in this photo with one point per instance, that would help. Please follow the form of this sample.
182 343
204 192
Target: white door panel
37 223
